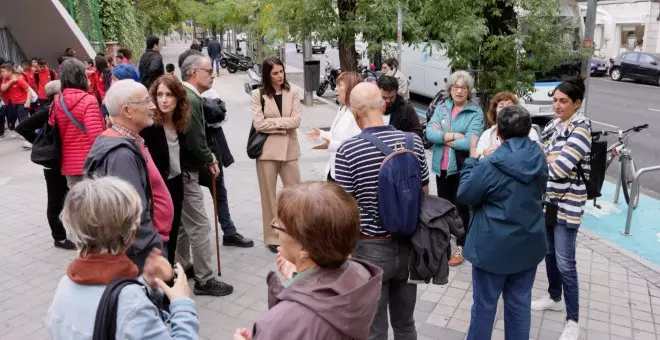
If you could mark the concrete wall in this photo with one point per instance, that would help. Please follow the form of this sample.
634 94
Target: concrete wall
43 28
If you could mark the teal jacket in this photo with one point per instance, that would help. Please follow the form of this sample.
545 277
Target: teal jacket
469 122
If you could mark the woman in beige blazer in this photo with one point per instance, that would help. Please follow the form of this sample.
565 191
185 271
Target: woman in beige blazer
280 119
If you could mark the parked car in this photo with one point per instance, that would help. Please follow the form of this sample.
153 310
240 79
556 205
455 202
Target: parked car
316 48
598 67
637 66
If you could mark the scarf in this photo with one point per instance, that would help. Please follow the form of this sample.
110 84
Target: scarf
101 269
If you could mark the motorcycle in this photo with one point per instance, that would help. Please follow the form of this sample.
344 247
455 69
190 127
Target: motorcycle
330 78
235 62
254 79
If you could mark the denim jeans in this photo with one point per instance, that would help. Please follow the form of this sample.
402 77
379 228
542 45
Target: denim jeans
216 63
397 294
560 266
516 290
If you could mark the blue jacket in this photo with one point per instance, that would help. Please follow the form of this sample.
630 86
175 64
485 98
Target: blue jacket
73 311
469 122
505 189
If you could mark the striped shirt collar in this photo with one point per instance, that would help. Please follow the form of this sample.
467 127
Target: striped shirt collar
128 133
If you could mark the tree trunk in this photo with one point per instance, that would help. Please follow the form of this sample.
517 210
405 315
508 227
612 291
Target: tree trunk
347 54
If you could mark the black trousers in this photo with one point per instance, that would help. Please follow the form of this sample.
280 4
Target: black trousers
447 189
56 188
175 187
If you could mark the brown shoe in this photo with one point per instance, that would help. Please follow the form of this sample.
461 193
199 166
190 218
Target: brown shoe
457 257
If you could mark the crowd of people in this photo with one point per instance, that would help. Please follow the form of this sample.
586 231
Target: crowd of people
138 144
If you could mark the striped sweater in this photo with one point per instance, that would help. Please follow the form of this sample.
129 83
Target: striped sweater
357 164
570 143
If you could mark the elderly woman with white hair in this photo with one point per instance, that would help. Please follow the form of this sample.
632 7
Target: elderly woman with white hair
56 185
120 151
103 215
450 130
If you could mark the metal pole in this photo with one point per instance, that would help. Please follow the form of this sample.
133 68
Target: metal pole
307 55
588 43
399 31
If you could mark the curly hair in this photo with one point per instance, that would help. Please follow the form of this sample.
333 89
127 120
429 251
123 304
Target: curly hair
491 115
181 114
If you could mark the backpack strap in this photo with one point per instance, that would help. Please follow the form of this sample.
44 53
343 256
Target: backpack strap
105 324
379 144
410 142
71 118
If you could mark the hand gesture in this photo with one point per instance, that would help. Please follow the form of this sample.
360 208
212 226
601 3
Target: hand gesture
314 135
156 266
214 169
285 267
473 147
180 288
242 334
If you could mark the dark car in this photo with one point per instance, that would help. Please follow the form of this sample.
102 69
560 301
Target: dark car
637 66
316 48
598 67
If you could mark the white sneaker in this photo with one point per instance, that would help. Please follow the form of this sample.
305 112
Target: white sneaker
571 331
546 303
27 145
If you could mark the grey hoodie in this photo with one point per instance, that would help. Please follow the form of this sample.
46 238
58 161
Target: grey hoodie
323 303
121 157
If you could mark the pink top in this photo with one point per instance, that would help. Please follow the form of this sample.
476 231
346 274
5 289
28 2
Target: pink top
163 206
444 164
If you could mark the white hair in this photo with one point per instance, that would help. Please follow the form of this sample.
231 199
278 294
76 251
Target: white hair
461 75
119 94
102 214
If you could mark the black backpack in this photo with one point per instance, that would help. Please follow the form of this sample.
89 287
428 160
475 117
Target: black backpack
594 176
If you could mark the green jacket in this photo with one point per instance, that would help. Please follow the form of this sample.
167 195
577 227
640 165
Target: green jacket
195 153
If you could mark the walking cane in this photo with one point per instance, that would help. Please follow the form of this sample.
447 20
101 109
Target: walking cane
215 214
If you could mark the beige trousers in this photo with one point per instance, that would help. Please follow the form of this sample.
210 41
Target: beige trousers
267 172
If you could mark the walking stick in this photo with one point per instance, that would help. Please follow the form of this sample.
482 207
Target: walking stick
215 214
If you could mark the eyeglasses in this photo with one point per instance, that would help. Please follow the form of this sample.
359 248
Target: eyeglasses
456 88
275 224
208 70
145 101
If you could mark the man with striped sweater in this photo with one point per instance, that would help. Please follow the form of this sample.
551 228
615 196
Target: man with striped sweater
356 170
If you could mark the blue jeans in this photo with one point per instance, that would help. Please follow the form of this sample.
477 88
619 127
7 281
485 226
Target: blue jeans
516 290
397 295
216 63
560 266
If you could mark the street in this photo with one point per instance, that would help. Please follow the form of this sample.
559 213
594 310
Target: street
611 106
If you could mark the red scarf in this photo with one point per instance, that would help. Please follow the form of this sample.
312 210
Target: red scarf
101 269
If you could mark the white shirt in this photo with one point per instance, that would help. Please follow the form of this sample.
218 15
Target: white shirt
489 138
343 127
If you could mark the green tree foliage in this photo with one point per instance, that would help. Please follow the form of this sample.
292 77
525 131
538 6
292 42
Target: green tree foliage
122 23
161 15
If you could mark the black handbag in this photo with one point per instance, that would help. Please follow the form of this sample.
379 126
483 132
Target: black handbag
256 139
47 147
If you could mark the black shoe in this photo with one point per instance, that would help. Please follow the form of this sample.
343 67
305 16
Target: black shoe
190 272
213 287
272 248
237 240
65 244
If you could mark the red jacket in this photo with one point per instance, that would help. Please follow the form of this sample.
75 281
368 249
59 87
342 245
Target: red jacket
75 143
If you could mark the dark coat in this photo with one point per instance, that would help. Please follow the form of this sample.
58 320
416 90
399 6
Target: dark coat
403 117
438 220
156 141
214 48
507 230
151 67
215 112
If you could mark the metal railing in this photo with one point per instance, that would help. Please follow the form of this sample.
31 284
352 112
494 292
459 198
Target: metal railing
633 195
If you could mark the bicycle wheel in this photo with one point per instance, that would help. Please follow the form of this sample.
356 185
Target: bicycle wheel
628 170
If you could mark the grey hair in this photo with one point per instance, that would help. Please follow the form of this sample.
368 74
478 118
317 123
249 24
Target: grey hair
190 64
73 75
102 214
119 94
461 75
366 97
52 88
513 121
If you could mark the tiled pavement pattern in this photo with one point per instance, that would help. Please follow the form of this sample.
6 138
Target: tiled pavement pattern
619 297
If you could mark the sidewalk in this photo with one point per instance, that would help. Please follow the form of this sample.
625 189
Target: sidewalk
617 300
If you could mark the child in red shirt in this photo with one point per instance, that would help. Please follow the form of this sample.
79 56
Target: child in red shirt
16 95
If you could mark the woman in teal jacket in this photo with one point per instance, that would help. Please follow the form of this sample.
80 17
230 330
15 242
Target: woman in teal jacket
453 124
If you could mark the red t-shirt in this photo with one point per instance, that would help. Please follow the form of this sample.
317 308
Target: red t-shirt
163 206
17 92
44 78
30 79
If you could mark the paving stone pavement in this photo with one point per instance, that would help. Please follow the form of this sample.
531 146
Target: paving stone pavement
619 296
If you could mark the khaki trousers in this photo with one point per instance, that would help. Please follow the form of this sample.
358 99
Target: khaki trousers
267 172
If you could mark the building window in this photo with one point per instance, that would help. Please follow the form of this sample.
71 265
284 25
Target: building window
632 38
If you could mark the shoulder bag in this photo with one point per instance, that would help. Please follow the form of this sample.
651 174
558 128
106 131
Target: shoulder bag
256 139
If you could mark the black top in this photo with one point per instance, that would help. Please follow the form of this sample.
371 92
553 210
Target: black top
403 116
278 101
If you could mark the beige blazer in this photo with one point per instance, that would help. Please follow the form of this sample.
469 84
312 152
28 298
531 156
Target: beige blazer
282 143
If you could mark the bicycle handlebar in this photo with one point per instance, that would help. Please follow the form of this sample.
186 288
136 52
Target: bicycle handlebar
608 132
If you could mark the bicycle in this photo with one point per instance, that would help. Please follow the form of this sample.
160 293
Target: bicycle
627 164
